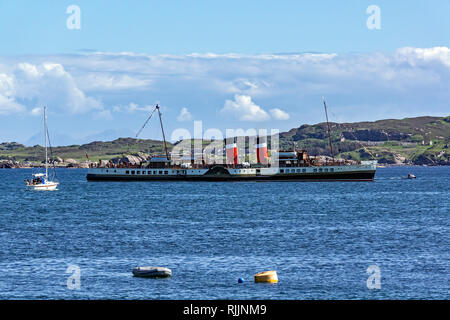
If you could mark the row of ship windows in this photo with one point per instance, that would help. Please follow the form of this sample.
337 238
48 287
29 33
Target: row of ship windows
159 172
181 171
147 172
304 170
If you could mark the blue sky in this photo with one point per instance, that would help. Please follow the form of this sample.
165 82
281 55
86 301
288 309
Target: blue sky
180 27
232 64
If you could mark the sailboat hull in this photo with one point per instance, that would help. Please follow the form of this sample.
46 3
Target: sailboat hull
44 187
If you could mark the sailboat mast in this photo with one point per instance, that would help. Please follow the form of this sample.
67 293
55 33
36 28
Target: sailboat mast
162 129
329 130
45 139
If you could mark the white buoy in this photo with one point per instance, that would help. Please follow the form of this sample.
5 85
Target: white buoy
152 272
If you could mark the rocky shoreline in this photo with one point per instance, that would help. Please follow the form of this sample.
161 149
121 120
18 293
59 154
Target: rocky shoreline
10 164
58 162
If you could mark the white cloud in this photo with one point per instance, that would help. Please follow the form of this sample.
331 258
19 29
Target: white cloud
244 109
36 111
424 55
416 80
8 106
104 115
50 84
132 108
184 115
279 114
6 84
111 82
42 84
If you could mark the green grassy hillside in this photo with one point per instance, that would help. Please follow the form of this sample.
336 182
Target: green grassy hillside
95 150
421 140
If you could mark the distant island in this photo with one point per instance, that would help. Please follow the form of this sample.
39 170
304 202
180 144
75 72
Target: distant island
409 141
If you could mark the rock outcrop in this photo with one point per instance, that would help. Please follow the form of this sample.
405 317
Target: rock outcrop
71 161
8 164
135 159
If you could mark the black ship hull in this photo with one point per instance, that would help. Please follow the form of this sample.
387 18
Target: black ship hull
335 176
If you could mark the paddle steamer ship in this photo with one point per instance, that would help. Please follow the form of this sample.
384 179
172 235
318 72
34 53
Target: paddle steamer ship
292 165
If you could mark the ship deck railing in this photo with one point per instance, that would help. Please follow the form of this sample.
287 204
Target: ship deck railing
229 166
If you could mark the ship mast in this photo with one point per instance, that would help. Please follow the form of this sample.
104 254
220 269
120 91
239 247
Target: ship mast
329 130
45 139
162 129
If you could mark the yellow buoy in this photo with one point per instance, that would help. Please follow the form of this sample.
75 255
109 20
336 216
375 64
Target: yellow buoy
266 276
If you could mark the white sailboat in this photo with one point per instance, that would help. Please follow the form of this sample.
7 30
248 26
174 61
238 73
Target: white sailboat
41 181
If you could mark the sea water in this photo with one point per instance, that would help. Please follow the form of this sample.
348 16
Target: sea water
82 241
